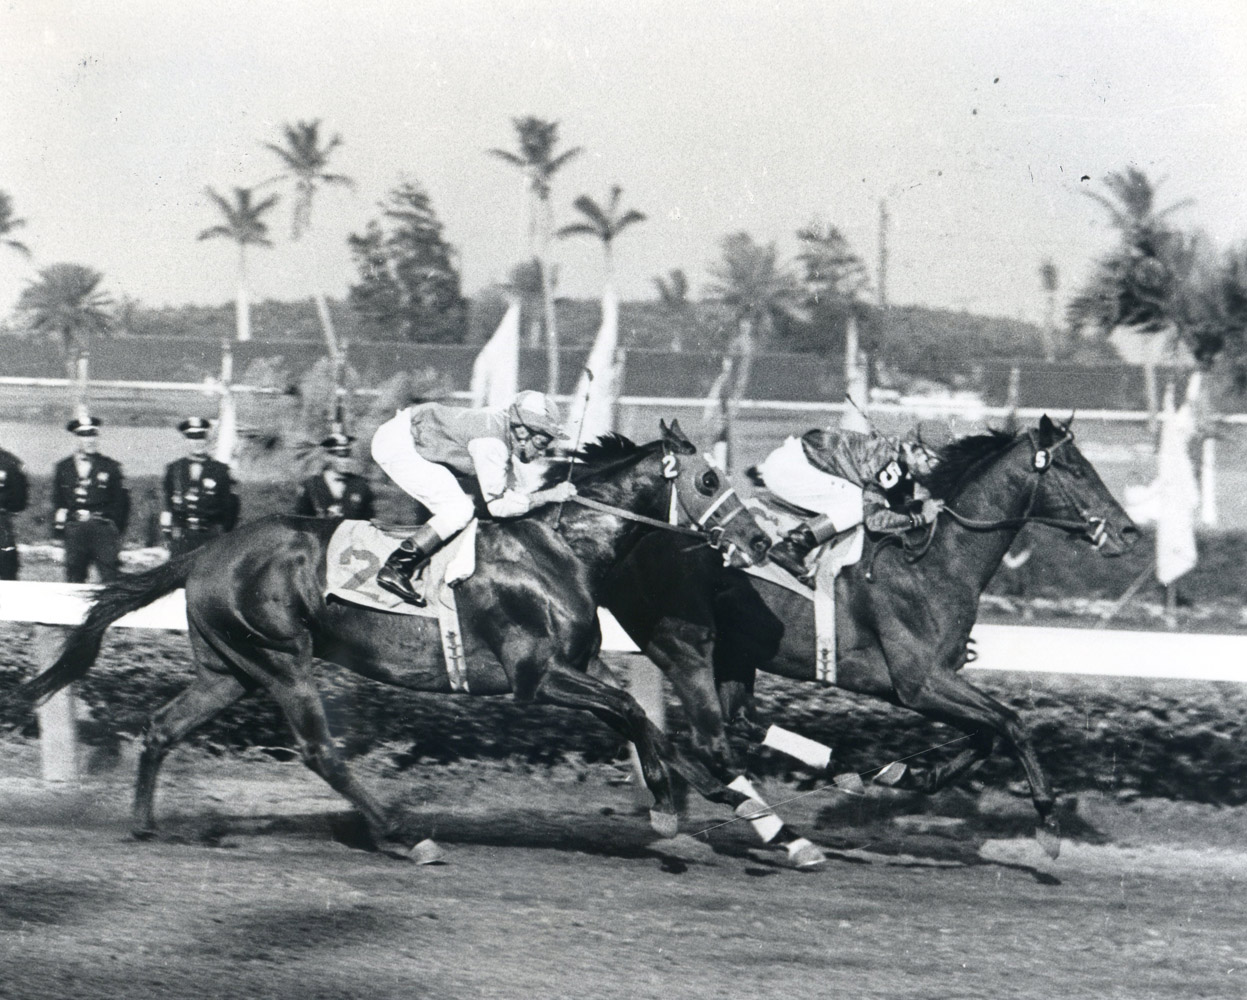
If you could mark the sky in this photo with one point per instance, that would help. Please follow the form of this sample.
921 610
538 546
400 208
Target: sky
980 124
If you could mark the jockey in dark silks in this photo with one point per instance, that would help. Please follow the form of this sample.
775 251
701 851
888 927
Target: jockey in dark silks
425 447
846 478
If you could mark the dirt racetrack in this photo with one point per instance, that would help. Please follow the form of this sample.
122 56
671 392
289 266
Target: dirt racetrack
554 887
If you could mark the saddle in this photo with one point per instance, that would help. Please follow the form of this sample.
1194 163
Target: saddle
777 517
358 549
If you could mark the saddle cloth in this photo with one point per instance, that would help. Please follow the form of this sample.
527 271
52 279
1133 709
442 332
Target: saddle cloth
828 560
358 549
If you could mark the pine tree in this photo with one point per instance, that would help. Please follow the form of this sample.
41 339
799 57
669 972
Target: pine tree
410 286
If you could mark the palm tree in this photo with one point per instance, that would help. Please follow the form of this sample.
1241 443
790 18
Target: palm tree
1132 282
539 163
673 294
8 223
604 223
244 224
1049 279
751 283
305 160
67 305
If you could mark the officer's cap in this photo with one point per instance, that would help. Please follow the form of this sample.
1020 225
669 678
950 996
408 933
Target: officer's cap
195 428
84 426
338 444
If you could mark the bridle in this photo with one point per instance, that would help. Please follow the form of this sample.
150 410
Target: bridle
1094 527
708 524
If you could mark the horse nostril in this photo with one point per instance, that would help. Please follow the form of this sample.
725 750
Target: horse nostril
761 544
1130 536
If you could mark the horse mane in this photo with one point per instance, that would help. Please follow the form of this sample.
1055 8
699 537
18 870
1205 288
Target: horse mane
595 458
955 460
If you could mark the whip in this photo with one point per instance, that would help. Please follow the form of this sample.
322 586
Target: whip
580 427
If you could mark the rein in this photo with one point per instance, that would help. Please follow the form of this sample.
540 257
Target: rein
606 508
915 552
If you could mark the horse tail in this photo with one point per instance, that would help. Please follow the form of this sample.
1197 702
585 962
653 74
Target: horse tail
126 594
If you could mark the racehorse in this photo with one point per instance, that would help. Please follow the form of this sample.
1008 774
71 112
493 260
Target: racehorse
257 615
903 613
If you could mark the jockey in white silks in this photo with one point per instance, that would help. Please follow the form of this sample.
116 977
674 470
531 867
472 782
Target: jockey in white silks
845 478
422 447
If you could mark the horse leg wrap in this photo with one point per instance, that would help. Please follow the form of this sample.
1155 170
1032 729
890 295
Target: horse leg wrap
764 822
892 774
804 854
809 752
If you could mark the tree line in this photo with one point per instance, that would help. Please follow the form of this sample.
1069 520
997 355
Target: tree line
1158 278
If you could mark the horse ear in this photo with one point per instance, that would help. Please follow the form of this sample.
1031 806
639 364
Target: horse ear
673 432
1047 430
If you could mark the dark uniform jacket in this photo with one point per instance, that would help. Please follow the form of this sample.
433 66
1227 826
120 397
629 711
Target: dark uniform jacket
100 494
204 501
316 499
13 496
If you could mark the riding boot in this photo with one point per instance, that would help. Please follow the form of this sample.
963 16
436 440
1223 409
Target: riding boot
789 553
405 561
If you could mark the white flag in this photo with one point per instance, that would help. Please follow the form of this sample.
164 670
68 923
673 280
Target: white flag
226 429
1177 493
496 370
593 406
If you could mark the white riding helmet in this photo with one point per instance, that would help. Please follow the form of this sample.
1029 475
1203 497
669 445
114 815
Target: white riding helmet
537 412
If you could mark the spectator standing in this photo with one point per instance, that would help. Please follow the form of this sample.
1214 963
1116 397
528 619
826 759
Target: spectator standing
199 501
336 491
13 496
91 505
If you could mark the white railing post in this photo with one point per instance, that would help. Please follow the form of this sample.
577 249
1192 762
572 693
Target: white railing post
58 723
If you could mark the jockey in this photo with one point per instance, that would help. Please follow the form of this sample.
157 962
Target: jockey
423 447
847 478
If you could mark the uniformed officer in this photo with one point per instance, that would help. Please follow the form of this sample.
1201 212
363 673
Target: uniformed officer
336 491
91 505
200 502
13 495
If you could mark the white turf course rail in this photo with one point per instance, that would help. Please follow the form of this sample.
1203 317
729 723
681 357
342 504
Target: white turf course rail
1023 648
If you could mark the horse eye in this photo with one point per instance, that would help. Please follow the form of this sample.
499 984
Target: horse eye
709 482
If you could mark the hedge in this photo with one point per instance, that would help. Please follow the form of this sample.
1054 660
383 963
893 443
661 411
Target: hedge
1173 739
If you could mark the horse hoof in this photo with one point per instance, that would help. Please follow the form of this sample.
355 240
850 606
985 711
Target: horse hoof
805 855
427 853
891 775
664 824
1048 836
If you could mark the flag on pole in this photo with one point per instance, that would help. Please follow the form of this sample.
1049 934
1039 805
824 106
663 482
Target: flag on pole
1177 493
226 428
227 414
716 415
853 418
496 370
593 406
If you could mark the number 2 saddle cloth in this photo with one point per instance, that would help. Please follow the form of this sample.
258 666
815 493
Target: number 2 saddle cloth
826 562
359 548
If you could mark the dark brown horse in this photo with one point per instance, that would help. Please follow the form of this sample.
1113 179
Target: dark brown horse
902 620
257 616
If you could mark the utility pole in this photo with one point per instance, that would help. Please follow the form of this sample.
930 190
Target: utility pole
883 254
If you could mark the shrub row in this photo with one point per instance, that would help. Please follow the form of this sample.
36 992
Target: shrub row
1181 740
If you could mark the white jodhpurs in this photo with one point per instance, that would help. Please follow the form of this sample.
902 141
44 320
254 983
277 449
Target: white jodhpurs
791 477
432 484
